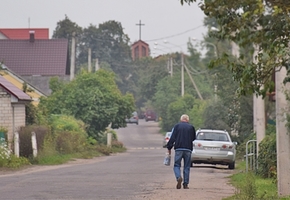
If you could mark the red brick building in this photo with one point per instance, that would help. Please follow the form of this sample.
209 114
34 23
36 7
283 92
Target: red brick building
139 49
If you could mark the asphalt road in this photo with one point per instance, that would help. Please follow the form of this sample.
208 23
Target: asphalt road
136 174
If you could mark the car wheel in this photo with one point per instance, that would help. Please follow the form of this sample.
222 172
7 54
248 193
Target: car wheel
232 165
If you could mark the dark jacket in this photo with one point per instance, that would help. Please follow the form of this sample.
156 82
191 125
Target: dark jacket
182 136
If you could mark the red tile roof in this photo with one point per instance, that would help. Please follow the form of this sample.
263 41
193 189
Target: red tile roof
23 33
12 89
41 57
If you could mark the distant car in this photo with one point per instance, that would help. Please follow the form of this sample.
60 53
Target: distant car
150 115
134 119
214 147
166 139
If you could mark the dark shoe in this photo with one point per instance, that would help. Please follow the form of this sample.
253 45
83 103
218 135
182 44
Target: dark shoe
185 186
179 181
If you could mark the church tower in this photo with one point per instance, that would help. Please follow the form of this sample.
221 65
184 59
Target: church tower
140 48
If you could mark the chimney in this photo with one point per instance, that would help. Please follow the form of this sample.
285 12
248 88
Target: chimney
31 36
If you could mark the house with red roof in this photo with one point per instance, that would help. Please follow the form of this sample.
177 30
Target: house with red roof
23 33
37 60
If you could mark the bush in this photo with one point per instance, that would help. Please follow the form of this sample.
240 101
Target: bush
7 159
68 142
25 144
69 134
267 160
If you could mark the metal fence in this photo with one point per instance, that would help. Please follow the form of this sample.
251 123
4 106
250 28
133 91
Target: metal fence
251 155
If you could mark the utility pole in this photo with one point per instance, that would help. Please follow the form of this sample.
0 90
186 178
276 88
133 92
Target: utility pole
193 83
182 74
89 59
282 135
171 67
97 65
73 56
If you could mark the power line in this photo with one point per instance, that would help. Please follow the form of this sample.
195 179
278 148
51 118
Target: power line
178 34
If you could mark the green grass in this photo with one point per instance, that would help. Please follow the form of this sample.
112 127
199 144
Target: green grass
252 187
51 157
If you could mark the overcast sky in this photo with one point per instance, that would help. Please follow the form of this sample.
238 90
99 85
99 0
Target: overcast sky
164 20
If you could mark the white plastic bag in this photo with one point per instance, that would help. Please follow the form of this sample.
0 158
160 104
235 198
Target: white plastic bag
167 159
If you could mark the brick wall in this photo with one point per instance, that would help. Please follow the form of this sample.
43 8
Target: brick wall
6 112
9 111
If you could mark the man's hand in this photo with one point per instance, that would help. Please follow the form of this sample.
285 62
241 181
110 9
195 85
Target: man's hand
169 152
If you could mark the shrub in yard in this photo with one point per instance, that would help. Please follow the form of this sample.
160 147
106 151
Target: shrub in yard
25 144
68 133
8 160
70 141
267 160
103 149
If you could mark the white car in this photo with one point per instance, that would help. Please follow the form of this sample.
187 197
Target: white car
133 119
213 147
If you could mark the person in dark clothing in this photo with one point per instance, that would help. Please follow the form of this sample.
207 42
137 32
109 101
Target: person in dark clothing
182 137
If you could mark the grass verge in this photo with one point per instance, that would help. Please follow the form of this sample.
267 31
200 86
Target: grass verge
250 186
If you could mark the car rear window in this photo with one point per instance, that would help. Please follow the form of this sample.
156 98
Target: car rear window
212 136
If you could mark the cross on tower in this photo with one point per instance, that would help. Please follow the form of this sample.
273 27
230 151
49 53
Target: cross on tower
140 28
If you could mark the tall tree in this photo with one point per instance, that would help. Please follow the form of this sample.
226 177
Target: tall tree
65 28
109 44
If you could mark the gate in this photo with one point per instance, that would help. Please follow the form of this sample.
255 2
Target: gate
251 155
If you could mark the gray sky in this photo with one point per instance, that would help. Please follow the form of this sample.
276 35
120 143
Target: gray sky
165 20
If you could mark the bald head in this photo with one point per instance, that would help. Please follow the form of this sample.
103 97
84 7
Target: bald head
184 118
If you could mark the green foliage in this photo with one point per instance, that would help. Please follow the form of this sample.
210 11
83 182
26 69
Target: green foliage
109 44
93 98
267 160
65 29
14 162
196 113
247 23
69 134
250 186
31 116
25 144
165 95
9 160
248 191
215 116
176 109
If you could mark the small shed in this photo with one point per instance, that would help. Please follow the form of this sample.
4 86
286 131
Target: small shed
12 107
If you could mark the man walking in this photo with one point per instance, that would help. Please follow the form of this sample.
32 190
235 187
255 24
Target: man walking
183 134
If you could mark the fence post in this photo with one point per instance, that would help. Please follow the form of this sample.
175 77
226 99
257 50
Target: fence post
34 144
16 144
109 139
